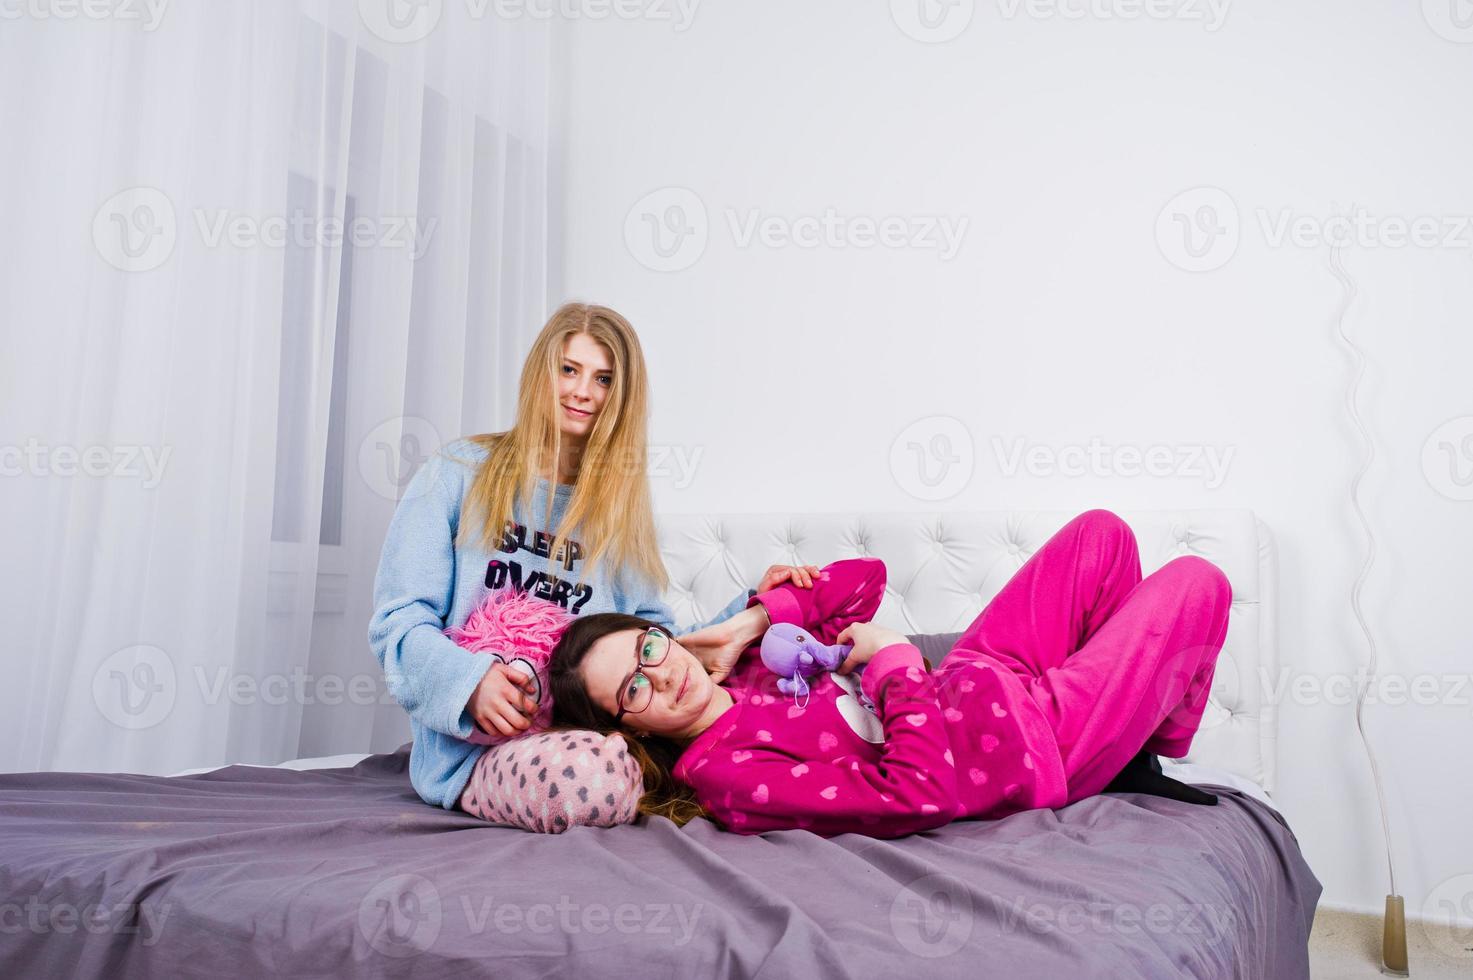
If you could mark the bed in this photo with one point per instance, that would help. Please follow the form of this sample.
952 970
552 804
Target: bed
333 866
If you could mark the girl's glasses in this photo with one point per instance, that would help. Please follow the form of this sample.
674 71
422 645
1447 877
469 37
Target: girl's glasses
638 692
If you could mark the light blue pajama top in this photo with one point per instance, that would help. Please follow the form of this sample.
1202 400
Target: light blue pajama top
425 585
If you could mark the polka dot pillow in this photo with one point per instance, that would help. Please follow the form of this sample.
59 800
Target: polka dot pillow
549 781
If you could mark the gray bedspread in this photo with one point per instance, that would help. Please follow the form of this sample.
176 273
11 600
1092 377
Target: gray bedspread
268 872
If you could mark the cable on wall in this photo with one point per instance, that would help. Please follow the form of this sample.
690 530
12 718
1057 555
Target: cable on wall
1393 941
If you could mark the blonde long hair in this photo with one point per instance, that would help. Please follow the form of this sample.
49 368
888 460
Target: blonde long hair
610 508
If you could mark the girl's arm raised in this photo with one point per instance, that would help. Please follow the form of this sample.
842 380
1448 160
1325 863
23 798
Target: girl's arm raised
844 592
840 594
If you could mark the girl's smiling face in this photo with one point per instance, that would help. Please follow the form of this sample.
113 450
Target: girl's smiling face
680 691
585 375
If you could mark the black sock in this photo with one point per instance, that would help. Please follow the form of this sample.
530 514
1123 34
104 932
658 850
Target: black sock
1142 774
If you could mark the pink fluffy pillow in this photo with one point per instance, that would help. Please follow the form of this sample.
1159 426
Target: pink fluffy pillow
520 631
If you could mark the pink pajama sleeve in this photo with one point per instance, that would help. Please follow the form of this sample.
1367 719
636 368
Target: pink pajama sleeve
845 592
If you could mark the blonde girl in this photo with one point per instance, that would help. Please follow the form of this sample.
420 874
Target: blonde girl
558 506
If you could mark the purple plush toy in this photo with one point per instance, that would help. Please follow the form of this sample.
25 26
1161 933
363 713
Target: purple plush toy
794 654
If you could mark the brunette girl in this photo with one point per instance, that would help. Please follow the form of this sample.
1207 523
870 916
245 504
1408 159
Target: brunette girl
1071 680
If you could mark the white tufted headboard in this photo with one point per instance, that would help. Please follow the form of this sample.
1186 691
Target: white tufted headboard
944 567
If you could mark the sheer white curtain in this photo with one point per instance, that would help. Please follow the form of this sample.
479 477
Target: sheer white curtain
258 260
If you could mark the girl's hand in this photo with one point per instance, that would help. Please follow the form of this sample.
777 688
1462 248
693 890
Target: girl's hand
868 639
719 646
502 703
801 575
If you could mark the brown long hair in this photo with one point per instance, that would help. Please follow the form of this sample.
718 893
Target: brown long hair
574 708
611 511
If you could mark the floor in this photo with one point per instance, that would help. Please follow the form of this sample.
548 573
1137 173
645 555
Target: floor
1347 945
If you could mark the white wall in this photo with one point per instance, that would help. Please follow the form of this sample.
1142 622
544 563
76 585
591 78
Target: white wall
1060 140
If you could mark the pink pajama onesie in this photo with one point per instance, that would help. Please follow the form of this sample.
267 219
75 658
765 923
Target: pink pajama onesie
1072 668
